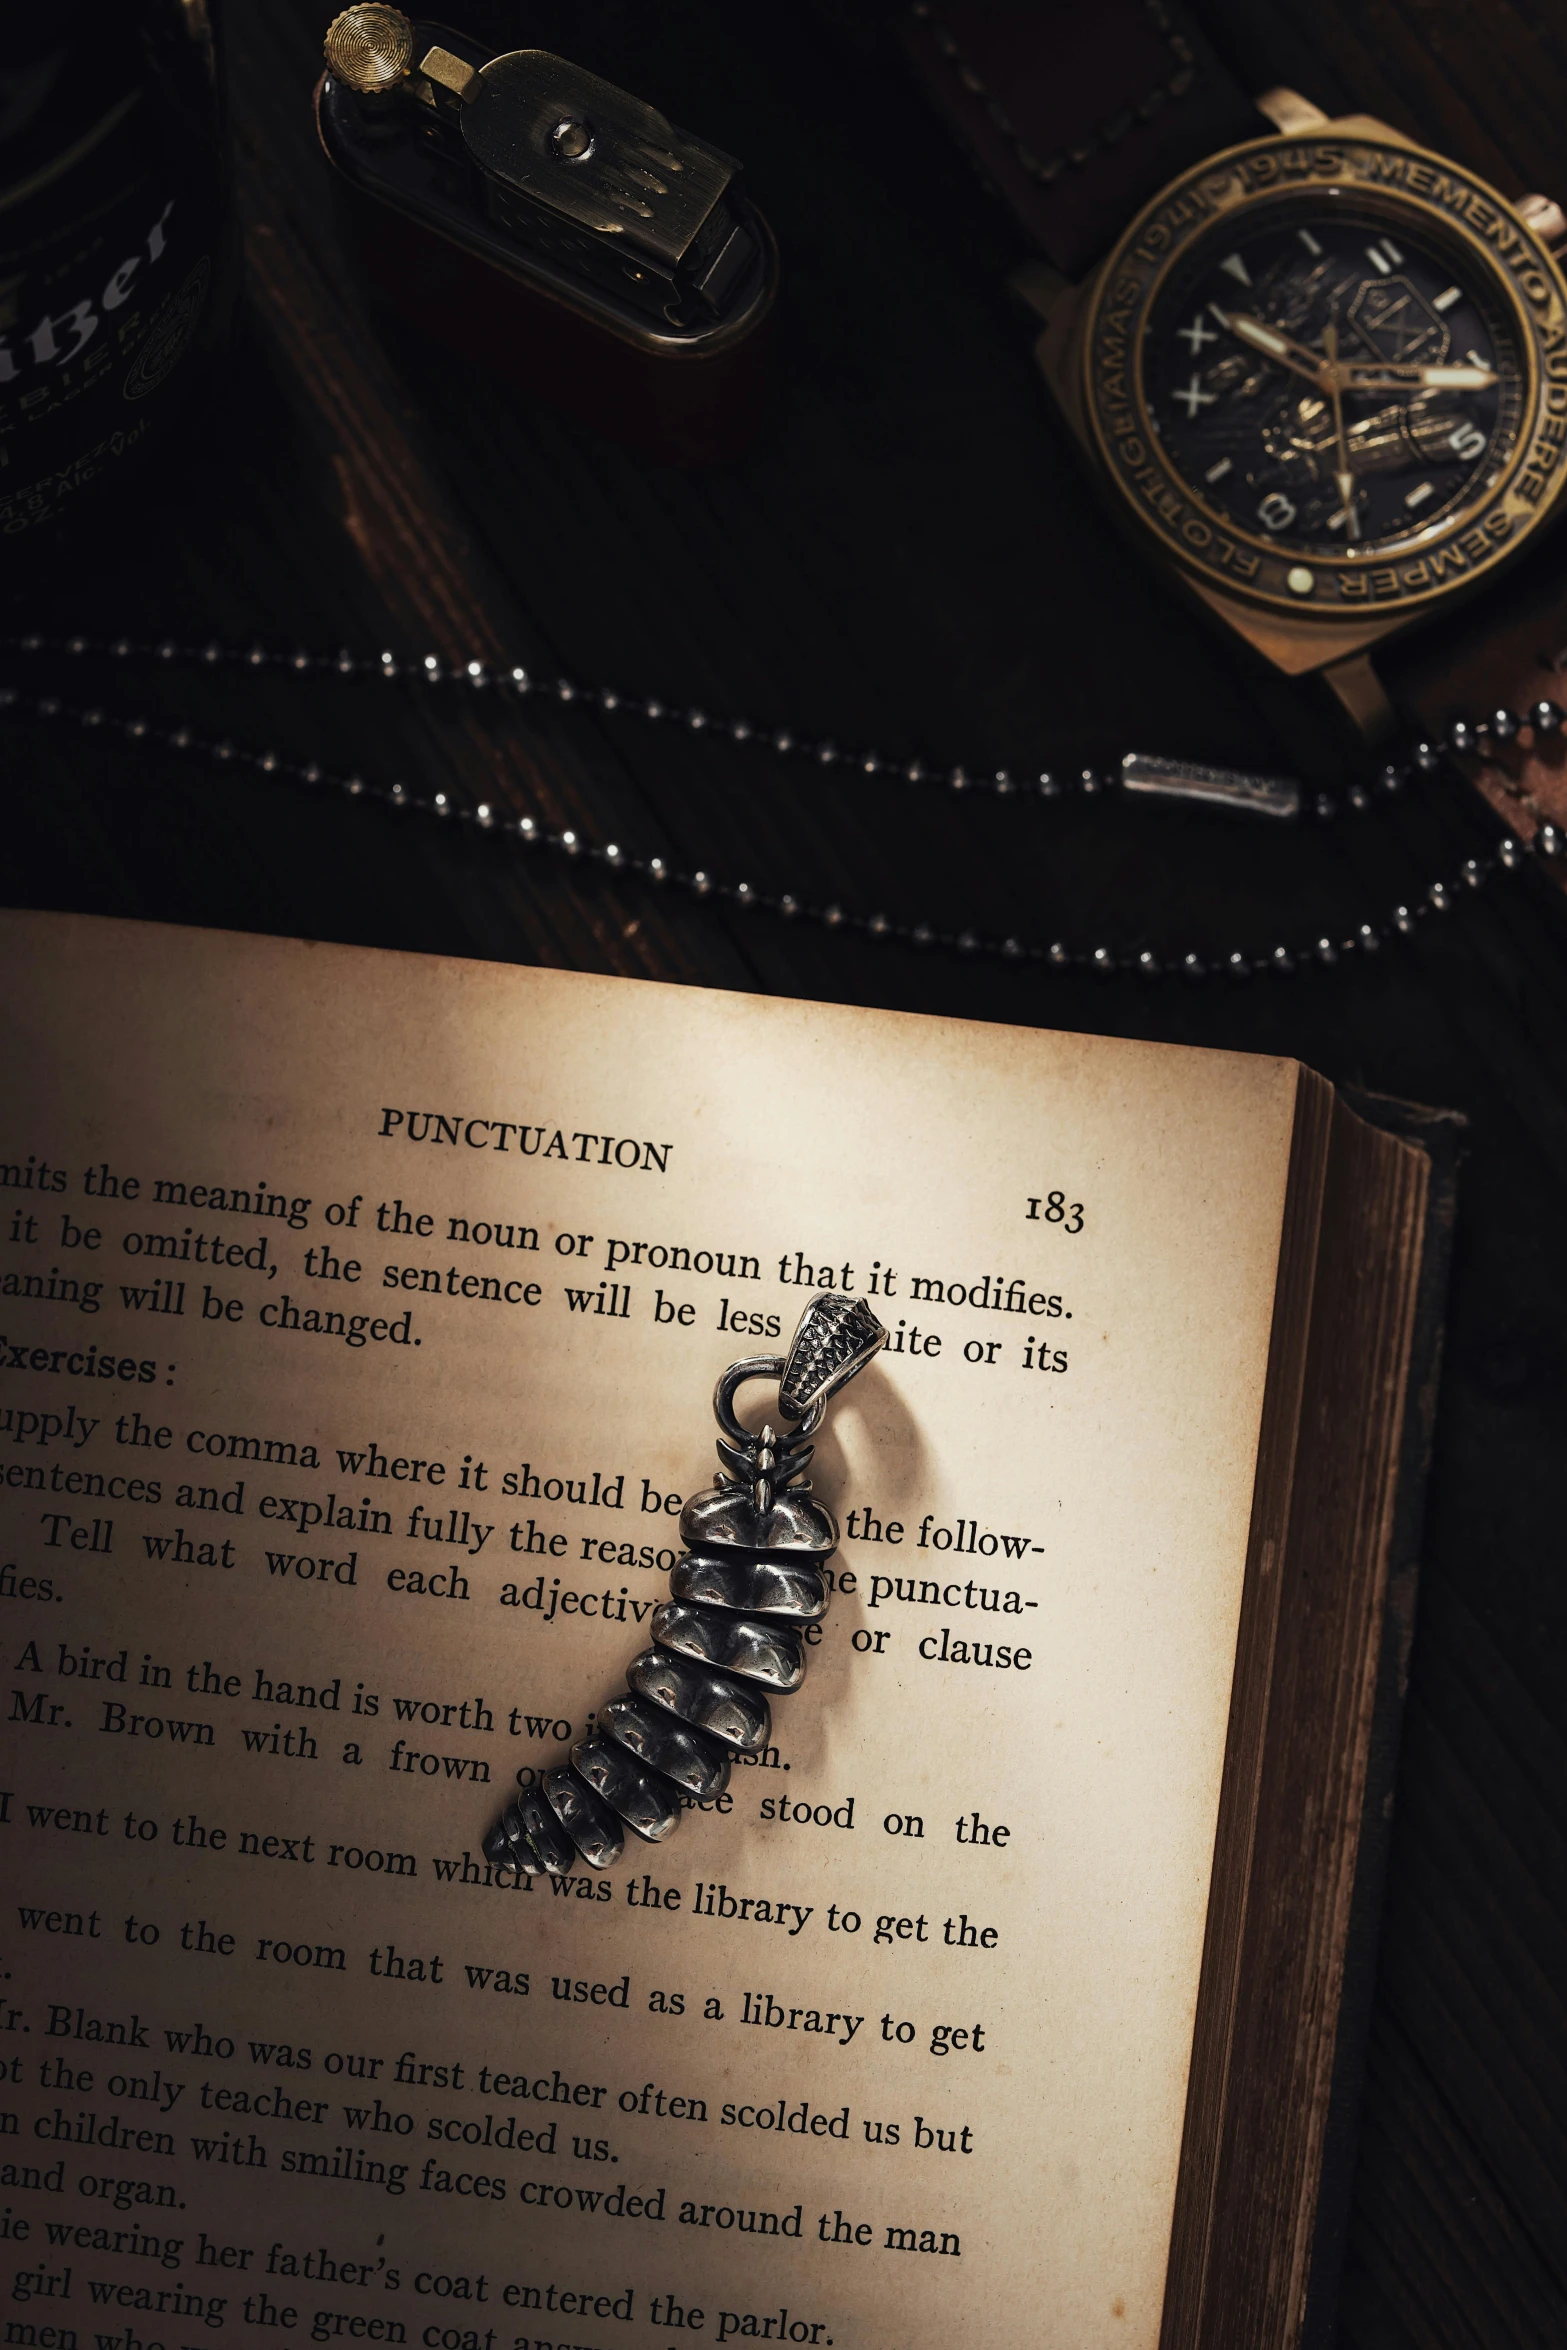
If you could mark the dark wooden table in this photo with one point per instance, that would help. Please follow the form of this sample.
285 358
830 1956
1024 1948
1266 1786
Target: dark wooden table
910 559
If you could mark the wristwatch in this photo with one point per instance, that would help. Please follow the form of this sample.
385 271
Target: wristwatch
1318 371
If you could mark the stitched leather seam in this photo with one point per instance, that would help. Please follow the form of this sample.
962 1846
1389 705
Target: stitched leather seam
1047 170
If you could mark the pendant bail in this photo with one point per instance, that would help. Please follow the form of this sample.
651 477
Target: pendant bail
836 1338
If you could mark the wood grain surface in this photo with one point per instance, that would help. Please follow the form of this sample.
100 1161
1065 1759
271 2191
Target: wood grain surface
911 559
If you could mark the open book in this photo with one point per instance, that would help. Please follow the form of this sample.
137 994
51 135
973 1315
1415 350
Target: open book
360 1315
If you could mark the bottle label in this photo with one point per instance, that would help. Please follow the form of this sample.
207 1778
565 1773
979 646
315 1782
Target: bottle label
98 307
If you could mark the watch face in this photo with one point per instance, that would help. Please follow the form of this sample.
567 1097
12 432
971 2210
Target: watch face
1331 375
1329 384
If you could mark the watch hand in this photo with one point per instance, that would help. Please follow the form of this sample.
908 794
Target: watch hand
1373 375
1344 479
1353 375
1273 345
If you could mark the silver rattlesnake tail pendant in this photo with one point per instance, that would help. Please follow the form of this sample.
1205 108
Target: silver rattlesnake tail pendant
729 1635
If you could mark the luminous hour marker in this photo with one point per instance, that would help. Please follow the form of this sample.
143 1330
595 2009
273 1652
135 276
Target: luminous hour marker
1475 359
1308 240
1235 267
1218 472
1446 301
1418 495
1384 255
1194 396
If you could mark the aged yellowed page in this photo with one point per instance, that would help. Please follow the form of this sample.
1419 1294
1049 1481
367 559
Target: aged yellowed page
359 1317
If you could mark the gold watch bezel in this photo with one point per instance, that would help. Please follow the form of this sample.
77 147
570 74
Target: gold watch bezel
1352 599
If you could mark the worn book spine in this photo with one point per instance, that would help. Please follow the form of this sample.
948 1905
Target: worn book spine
1440 1134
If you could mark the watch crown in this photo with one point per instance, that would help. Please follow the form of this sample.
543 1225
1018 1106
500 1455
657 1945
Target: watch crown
1546 218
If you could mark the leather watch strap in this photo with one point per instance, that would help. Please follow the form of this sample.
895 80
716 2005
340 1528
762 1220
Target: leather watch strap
1076 111
1506 652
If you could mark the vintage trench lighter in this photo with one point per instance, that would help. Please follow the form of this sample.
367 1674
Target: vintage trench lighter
553 227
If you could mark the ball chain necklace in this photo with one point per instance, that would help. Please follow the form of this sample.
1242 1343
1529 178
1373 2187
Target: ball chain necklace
1138 775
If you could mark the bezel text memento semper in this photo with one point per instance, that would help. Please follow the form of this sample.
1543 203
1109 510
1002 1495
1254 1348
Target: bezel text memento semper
1381 179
